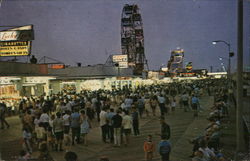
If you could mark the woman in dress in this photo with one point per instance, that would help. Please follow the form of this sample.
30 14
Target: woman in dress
154 103
85 126
147 105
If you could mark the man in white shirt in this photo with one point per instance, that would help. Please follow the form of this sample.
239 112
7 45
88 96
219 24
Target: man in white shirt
66 122
162 101
103 124
127 124
128 102
185 101
44 119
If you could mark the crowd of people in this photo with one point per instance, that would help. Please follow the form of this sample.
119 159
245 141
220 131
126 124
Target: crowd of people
206 146
61 120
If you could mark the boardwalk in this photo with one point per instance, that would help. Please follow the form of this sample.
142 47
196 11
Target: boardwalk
183 127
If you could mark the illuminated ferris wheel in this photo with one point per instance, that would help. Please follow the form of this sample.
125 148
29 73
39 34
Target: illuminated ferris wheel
132 39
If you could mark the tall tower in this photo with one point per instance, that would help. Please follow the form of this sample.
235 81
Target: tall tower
132 39
175 64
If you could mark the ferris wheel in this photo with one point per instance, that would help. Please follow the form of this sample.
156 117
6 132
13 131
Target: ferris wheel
132 39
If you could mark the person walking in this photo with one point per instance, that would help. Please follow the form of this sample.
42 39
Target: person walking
66 122
161 101
140 106
135 118
173 105
110 114
127 126
147 105
185 100
149 148
58 130
75 126
85 127
164 148
165 129
44 119
154 103
117 124
27 139
3 109
103 124
195 105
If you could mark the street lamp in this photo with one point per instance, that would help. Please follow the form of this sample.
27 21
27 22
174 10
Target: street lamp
229 54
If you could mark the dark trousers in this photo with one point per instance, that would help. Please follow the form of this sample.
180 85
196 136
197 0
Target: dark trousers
98 115
105 130
75 133
3 121
111 133
165 157
162 109
136 127
195 108
141 110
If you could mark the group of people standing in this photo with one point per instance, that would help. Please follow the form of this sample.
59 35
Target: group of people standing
62 120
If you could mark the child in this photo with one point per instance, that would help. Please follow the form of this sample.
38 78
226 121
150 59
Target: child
67 142
149 148
40 134
44 152
173 105
27 139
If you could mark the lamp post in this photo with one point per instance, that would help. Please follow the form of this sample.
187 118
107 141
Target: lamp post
229 56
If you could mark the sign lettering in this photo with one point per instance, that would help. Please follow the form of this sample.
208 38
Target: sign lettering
17 48
20 35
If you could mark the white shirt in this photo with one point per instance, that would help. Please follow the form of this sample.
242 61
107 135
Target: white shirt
103 118
68 106
44 117
207 153
127 122
66 120
36 122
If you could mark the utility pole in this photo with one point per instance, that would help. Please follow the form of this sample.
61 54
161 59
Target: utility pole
239 120
211 69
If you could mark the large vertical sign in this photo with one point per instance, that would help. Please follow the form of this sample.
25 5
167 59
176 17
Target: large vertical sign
16 41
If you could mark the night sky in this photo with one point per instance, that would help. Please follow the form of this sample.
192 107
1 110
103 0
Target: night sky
88 31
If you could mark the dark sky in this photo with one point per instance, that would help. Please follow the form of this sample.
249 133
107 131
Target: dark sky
82 30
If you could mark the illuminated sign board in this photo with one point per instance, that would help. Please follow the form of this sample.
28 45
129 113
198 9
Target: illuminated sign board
123 64
8 80
120 58
17 35
56 66
17 48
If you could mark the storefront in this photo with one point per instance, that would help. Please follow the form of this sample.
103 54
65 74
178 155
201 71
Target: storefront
9 87
36 86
